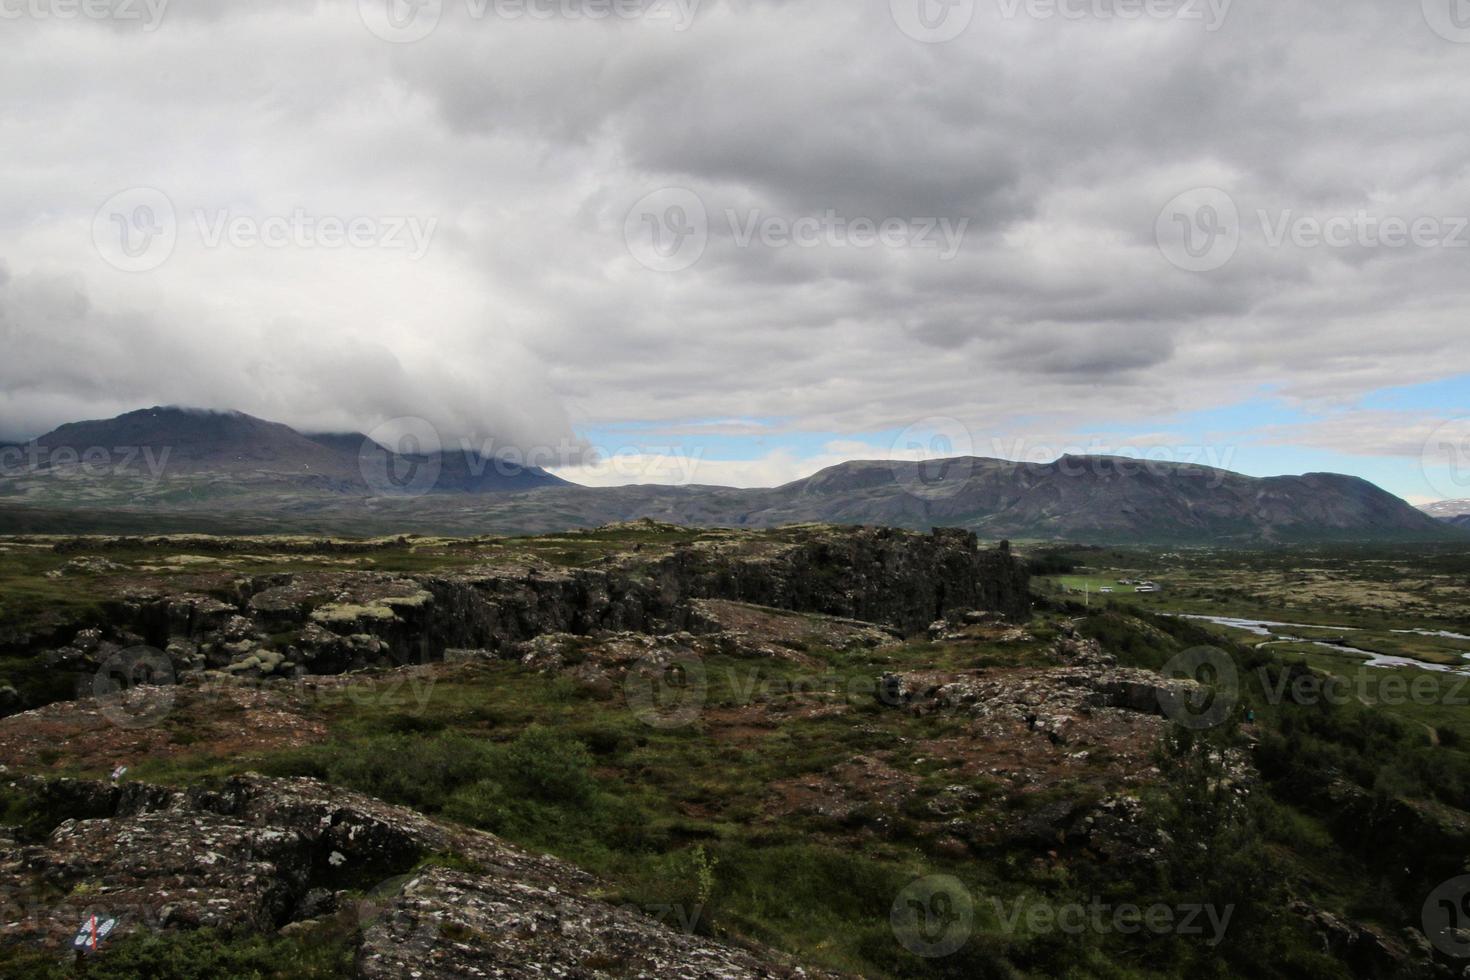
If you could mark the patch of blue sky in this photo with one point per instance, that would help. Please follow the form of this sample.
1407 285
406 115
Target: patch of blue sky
1448 395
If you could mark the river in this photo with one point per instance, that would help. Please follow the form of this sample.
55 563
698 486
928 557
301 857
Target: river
1267 627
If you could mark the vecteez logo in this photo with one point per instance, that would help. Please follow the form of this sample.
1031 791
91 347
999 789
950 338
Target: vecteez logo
938 21
1446 917
1199 230
667 230
134 687
667 690
1445 458
1362 229
401 21
137 230
67 462
933 916
401 458
1450 19
146 13
932 21
301 229
934 458
408 21
1209 463
1205 688
828 229
1210 14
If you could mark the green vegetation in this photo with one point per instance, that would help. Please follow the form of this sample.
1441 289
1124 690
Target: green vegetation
1378 587
681 819
204 954
1356 809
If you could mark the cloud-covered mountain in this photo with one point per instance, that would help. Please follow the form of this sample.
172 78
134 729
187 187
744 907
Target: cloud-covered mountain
157 454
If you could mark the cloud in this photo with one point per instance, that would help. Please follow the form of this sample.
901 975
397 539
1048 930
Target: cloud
526 142
1368 433
67 360
689 465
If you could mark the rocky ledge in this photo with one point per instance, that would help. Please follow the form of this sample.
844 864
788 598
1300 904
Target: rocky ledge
1061 703
885 582
263 854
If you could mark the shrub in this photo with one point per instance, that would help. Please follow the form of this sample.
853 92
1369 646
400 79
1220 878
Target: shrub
421 772
551 766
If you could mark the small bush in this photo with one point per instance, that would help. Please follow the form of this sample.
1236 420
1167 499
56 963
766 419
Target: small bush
415 771
551 766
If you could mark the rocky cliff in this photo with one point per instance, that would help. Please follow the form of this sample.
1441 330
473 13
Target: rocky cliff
330 621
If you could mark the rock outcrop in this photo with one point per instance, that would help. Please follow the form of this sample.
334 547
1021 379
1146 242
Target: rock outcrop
322 622
264 854
445 923
1052 701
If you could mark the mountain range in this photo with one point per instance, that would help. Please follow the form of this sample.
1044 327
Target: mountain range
1456 512
195 470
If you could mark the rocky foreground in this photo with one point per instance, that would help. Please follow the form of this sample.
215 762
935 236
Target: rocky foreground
755 753
432 899
271 854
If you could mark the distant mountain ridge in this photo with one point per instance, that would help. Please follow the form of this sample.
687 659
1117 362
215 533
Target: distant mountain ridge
1456 512
193 444
236 471
1084 498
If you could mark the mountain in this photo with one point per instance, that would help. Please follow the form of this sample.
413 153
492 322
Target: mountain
196 443
1100 498
1078 498
186 453
232 472
1456 512
456 472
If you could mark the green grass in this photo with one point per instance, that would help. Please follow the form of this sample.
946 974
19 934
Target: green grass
28 596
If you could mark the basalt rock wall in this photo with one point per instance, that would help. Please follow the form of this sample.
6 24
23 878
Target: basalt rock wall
332 621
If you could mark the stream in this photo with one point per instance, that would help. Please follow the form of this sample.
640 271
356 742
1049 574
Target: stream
1266 627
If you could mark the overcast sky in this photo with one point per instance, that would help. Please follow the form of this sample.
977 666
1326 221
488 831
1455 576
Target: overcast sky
734 241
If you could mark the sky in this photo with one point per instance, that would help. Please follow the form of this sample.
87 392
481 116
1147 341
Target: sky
734 241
